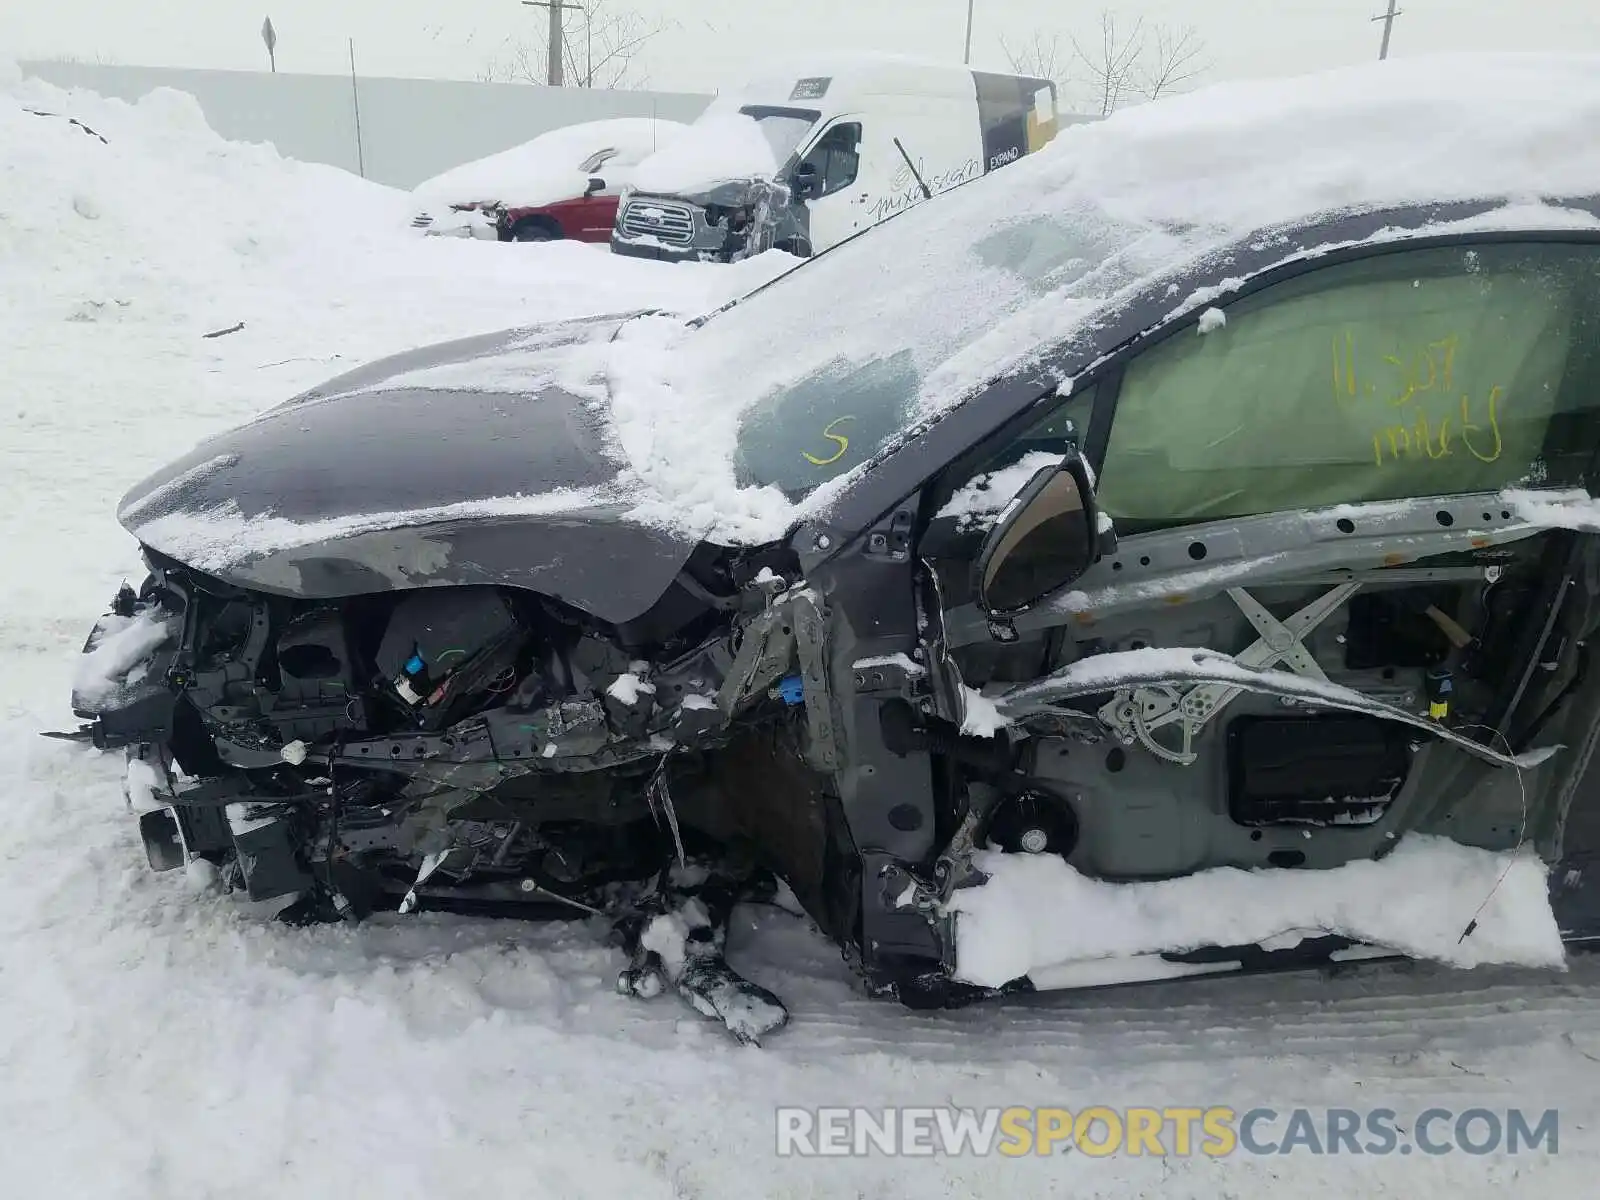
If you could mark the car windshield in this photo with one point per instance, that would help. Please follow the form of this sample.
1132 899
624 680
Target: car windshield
829 364
782 127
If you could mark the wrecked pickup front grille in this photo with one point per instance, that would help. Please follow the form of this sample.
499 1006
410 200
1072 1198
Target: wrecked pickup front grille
671 223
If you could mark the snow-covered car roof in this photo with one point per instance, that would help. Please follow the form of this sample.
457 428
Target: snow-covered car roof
553 166
970 287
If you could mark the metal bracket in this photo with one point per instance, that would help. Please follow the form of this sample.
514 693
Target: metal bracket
810 633
763 658
891 539
658 797
887 677
1136 714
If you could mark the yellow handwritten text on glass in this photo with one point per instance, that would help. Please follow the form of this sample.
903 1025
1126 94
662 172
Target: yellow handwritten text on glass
837 439
1423 379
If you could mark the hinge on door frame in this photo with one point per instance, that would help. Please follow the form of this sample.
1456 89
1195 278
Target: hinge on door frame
944 677
891 539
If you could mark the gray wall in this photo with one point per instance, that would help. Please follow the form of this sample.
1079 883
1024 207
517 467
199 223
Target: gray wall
411 129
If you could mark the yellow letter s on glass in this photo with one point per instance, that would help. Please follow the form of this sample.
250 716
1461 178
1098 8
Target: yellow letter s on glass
837 439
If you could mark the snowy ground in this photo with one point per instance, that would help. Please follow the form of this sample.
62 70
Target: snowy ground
157 1041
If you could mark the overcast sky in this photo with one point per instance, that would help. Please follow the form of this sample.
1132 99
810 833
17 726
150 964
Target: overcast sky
707 43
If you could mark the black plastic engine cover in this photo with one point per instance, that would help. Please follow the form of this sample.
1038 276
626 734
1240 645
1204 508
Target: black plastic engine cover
445 627
443 645
1339 769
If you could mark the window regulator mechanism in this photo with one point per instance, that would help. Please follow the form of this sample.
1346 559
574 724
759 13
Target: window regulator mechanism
1136 715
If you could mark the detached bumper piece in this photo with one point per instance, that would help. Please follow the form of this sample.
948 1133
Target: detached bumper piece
128 693
209 822
122 689
164 841
693 920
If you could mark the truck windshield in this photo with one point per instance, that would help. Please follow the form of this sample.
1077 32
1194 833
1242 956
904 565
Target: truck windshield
782 127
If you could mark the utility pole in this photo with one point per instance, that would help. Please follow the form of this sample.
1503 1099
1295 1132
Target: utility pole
967 58
1388 27
554 75
355 100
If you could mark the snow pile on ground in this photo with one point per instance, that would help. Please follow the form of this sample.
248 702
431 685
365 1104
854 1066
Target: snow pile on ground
95 216
132 242
164 220
953 293
722 146
1036 913
547 169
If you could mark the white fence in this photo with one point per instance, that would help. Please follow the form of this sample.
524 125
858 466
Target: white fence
411 129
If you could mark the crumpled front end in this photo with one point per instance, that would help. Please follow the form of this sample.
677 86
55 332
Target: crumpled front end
129 689
480 221
467 746
483 749
723 224
385 659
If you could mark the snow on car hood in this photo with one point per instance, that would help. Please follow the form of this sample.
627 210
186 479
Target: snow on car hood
722 146
485 460
549 168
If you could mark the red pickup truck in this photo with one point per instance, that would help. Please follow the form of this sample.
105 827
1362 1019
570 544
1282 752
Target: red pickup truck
562 184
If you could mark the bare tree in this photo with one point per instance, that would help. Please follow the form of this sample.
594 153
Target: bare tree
601 49
1136 61
1040 57
1176 57
1111 63
518 61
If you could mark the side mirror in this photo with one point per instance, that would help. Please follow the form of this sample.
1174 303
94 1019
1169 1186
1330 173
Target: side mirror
1045 539
596 185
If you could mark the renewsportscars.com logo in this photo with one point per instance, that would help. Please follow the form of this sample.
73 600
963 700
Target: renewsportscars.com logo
1214 1132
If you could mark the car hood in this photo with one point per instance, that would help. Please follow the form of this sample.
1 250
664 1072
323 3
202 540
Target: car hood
726 193
477 461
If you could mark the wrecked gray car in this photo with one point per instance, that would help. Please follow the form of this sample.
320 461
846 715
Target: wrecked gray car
1271 558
